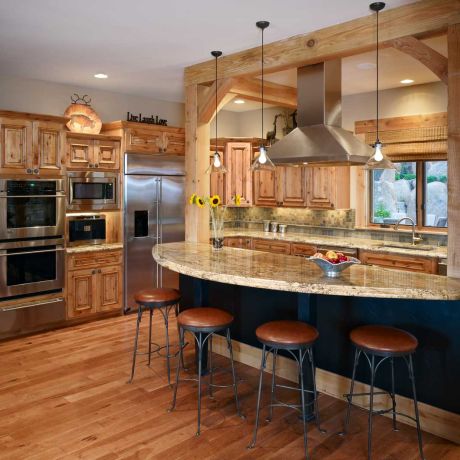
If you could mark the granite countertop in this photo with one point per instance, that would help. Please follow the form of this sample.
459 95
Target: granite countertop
344 242
265 270
93 247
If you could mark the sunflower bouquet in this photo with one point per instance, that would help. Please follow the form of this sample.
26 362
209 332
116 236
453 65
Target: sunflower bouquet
217 211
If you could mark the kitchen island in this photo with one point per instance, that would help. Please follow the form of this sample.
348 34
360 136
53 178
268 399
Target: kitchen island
257 287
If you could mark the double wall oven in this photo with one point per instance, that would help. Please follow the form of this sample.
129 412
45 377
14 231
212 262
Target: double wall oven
32 252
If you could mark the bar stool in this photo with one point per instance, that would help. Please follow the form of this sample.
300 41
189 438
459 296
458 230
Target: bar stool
203 323
163 300
384 343
294 337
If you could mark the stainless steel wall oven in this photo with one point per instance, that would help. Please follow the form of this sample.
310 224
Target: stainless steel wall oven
31 208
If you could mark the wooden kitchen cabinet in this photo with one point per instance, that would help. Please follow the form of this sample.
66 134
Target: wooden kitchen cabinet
94 283
240 242
265 188
328 187
91 151
278 247
303 249
238 179
400 262
31 144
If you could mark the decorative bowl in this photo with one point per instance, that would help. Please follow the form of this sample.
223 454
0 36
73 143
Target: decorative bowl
333 270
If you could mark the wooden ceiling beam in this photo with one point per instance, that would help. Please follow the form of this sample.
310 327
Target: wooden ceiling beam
274 93
430 58
352 37
207 106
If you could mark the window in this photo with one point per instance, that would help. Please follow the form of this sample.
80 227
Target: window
416 189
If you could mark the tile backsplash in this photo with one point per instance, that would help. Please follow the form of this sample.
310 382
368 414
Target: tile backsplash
339 223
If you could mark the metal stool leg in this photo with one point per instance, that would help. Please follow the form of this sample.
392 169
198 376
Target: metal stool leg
371 408
168 364
393 396
302 397
417 416
235 384
211 372
150 335
181 350
350 396
176 312
315 393
272 392
261 376
136 339
200 358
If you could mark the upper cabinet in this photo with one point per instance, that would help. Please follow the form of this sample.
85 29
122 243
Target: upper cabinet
145 138
328 187
93 151
31 144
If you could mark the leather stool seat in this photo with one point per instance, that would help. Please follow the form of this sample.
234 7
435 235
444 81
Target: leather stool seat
384 339
159 297
204 317
287 333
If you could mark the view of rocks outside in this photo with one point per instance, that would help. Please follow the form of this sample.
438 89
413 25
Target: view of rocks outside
395 192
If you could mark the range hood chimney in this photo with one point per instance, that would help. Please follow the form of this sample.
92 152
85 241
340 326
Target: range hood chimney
319 137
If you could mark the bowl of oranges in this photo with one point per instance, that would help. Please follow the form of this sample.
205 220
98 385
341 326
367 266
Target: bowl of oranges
333 263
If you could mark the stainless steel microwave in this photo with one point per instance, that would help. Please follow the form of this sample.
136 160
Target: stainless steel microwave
93 190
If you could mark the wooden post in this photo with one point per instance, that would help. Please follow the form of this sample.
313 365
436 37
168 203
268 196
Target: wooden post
197 141
453 150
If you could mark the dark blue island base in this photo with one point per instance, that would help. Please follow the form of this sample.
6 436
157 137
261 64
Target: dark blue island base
436 324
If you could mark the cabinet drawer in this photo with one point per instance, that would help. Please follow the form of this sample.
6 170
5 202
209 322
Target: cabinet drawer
302 249
409 263
278 247
94 259
238 242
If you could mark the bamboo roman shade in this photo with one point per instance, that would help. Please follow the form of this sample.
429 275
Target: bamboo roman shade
419 137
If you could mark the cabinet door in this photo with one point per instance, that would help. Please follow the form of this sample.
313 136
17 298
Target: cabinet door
265 188
106 154
408 263
277 247
293 186
49 145
174 143
80 153
238 242
320 182
81 293
110 285
16 145
302 249
238 180
148 140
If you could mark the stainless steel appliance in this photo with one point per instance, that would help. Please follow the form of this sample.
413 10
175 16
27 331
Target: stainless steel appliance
86 229
31 208
92 190
154 213
31 267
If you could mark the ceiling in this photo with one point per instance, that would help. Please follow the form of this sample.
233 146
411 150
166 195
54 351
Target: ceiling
145 45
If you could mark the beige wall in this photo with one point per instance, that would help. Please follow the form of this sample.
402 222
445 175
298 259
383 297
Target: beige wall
37 96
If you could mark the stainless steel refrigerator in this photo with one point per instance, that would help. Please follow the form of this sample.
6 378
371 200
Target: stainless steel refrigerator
154 202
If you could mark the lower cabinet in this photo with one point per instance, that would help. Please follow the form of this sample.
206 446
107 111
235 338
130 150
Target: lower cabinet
238 242
302 249
96 288
400 262
278 247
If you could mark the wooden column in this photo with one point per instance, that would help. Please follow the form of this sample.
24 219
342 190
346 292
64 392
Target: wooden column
197 141
453 150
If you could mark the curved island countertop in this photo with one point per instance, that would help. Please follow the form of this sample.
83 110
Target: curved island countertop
264 270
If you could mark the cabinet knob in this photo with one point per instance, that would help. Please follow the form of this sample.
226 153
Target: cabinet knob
29 171
96 165
93 272
99 271
36 171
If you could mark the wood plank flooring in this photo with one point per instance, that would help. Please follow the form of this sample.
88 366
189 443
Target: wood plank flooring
64 395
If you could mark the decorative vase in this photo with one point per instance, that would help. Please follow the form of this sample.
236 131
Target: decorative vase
217 221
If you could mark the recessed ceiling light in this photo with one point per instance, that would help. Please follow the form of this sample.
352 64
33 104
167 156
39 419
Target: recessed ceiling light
101 75
366 65
407 81
239 101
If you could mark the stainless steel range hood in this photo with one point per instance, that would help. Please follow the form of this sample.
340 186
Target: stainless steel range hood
319 137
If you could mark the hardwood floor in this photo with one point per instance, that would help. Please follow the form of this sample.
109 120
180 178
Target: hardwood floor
64 394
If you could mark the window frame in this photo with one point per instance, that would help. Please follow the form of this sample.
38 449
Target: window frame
420 197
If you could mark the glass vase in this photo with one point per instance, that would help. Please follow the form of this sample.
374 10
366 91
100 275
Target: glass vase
217 228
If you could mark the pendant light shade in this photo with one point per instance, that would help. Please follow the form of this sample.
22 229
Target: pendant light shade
216 164
262 162
379 159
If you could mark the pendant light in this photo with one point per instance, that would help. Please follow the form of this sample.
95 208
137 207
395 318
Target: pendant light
217 164
379 159
262 162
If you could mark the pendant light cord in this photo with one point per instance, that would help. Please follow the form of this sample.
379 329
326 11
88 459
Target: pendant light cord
216 102
262 88
377 68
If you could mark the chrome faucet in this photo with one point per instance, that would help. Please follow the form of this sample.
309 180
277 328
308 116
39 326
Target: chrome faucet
415 239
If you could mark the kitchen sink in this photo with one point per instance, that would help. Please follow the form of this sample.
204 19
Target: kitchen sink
416 247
